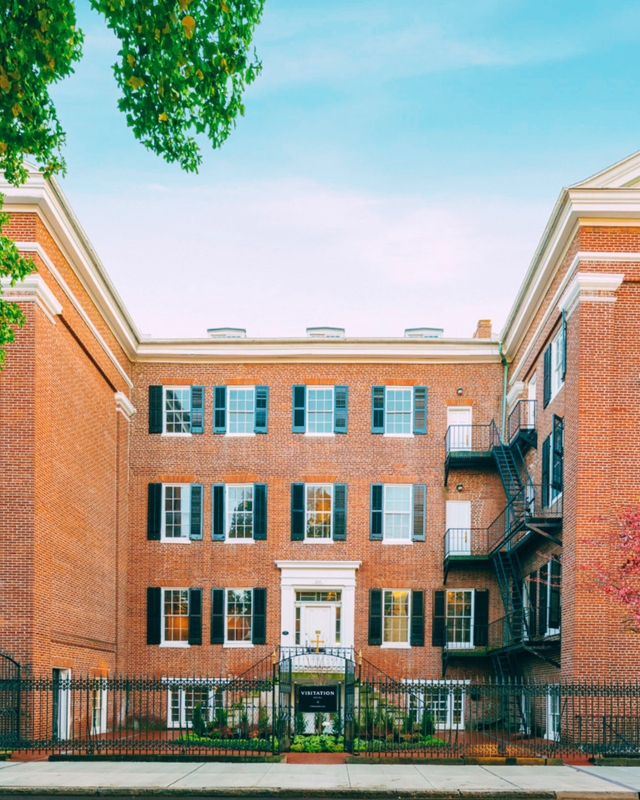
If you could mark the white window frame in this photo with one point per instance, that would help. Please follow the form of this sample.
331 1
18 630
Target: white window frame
315 388
554 494
164 410
64 704
234 388
318 540
427 687
552 715
182 723
557 347
397 645
101 691
227 641
549 630
385 538
185 522
460 645
227 512
409 389
163 641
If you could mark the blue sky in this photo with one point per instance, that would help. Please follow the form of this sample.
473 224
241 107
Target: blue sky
395 168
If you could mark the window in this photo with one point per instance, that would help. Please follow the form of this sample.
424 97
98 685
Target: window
552 730
240 513
239 615
176 519
177 410
175 616
174 512
399 410
320 410
553 463
398 513
446 705
319 501
555 365
99 708
241 410
460 619
543 600
183 701
396 618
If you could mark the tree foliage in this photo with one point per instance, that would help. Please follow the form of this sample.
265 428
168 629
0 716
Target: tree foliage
620 576
182 68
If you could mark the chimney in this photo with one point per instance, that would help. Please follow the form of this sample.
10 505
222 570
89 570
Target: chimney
483 331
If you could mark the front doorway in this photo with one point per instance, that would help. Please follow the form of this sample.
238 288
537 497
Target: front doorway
318 619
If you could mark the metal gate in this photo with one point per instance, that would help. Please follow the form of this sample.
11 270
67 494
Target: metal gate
9 702
284 717
349 704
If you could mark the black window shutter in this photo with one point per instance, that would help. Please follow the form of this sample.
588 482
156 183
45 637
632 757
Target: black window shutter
195 616
375 528
481 618
220 409
546 393
377 409
563 354
419 409
557 468
341 409
154 511
299 420
261 422
154 615
217 512
532 585
544 472
419 512
196 511
197 409
339 512
259 511
375 616
542 600
155 409
297 512
554 594
259 621
438 627
217 616
417 619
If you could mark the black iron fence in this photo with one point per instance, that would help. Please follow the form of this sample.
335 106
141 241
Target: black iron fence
463 440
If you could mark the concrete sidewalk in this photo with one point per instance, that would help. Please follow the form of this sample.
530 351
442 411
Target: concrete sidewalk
225 779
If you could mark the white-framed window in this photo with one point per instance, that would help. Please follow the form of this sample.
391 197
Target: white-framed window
320 401
459 613
557 363
395 617
238 616
242 409
176 512
175 617
61 715
319 511
398 513
177 410
443 700
398 411
239 512
552 727
99 707
182 701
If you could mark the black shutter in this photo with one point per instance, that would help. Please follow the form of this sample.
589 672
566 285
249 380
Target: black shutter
260 511
546 389
419 512
417 619
377 409
341 409
196 511
217 512
339 512
532 622
544 471
563 352
375 616
554 594
262 410
481 618
197 409
438 626
154 615
259 621
220 409
155 409
297 512
195 616
154 511
217 616
419 409
557 468
375 528
299 421
542 600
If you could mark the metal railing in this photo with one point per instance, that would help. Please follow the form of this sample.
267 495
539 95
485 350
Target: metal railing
530 504
460 542
523 626
522 418
463 440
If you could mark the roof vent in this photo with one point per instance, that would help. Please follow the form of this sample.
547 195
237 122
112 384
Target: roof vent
227 333
325 333
423 333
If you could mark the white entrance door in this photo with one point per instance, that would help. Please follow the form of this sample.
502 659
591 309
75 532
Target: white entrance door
459 424
318 626
458 525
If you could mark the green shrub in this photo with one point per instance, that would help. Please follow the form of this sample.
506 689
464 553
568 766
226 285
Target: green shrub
317 744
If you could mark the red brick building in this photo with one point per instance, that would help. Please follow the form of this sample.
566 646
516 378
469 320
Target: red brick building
186 506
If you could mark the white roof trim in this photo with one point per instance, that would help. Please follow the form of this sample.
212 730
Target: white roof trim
124 405
32 288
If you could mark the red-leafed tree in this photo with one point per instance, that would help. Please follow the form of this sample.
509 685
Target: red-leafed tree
620 577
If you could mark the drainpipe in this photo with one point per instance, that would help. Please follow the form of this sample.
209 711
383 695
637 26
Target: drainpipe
505 378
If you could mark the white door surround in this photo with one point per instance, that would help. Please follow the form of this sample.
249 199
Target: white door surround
317 576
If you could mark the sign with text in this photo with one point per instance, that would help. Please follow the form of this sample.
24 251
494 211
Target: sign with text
318 698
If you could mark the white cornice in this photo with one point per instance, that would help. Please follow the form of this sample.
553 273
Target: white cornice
514 393
590 287
124 405
34 289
